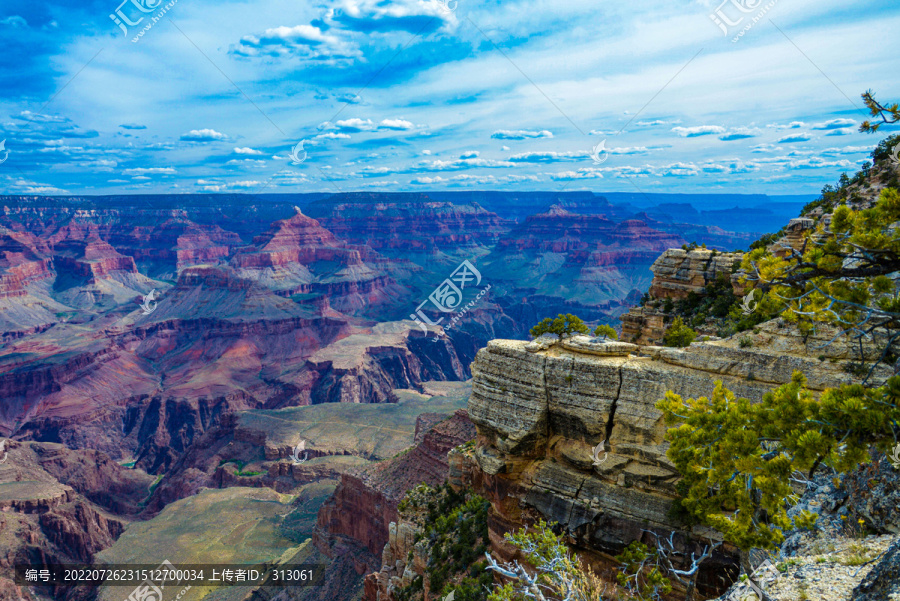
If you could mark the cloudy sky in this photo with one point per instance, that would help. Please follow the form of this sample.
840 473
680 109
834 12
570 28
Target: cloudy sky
285 96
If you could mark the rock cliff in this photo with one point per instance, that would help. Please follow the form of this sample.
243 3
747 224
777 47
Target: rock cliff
677 273
587 259
363 513
366 500
297 256
61 505
541 408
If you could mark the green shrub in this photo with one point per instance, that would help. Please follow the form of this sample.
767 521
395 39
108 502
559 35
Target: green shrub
455 525
563 325
678 334
607 331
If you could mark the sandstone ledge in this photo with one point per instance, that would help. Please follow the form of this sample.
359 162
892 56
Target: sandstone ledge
539 413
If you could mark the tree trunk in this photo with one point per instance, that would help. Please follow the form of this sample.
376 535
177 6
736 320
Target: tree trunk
746 568
689 593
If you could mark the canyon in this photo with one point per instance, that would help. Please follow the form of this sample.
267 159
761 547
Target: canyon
165 337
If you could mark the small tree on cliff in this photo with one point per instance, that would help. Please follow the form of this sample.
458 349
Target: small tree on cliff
737 458
606 331
679 334
639 573
551 573
842 276
843 273
562 326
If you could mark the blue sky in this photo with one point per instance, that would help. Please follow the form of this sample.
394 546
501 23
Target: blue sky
420 95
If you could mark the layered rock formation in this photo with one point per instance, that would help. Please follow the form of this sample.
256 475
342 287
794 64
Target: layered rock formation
366 500
588 259
215 343
299 257
540 409
164 248
794 238
677 273
256 449
362 513
61 506
409 223
258 307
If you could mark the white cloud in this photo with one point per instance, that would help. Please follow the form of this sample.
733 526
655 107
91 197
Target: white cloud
795 138
680 170
396 124
355 125
150 170
740 133
247 150
699 130
203 135
14 21
586 173
834 124
247 162
791 125
306 41
521 134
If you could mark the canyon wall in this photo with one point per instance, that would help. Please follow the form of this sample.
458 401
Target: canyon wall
361 517
366 500
540 408
676 274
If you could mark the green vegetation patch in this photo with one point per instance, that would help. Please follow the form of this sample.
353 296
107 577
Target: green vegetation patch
454 524
377 431
216 526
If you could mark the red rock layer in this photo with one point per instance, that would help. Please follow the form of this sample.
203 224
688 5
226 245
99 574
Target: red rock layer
23 261
174 243
560 231
90 257
366 500
299 239
416 223
61 506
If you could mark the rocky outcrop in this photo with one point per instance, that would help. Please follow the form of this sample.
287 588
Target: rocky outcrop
874 495
883 582
411 556
23 262
80 531
367 367
366 500
677 273
61 505
541 409
644 325
362 513
299 256
794 238
191 244
841 559
400 223
91 258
